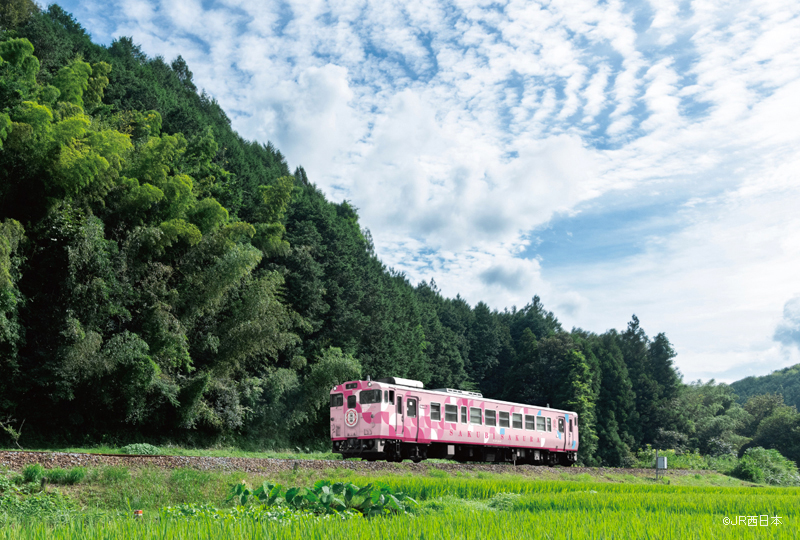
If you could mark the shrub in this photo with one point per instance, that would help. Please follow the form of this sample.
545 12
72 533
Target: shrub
748 470
142 449
767 466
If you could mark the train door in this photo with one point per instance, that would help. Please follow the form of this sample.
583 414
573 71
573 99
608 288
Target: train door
570 436
412 417
399 417
351 416
562 430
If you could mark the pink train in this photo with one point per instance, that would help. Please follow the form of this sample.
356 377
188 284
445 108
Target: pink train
396 419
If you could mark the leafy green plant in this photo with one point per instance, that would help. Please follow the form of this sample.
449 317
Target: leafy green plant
327 498
142 449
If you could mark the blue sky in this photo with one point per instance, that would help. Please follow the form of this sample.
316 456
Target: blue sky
612 158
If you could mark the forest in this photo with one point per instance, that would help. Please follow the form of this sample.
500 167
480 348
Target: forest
163 279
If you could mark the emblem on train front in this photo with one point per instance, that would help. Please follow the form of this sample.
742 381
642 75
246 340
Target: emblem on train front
351 418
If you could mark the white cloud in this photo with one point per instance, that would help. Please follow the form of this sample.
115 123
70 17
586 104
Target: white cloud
458 127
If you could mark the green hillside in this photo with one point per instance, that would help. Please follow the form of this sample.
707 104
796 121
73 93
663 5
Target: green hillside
785 381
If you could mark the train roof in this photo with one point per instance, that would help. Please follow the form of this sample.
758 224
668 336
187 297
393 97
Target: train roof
417 385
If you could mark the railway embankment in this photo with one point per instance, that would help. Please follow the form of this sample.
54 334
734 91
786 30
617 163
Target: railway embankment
16 460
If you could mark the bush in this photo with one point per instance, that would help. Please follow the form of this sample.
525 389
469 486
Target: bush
767 466
142 449
748 470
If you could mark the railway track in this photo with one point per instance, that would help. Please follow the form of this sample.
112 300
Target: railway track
16 460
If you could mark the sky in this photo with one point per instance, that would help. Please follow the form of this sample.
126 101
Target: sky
613 158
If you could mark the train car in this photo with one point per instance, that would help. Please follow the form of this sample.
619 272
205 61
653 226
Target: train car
394 419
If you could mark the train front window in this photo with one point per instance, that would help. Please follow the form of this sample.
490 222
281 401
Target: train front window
516 421
491 418
436 411
503 419
530 422
540 424
451 413
370 396
351 402
474 415
337 400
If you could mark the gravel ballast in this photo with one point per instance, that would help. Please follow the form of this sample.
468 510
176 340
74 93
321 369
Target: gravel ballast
17 460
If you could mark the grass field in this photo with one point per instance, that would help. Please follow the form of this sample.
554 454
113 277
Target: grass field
467 506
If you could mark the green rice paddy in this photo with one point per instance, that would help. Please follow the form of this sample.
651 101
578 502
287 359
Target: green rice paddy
461 507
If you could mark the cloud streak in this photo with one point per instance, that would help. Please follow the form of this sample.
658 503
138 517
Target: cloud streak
460 129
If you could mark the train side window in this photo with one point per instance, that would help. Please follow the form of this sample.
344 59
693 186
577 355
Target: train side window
463 415
503 419
561 425
549 425
474 415
436 411
540 426
411 405
450 413
337 400
391 396
351 402
516 421
399 404
386 396
530 422
491 418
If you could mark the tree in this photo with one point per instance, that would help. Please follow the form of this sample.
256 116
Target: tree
616 403
15 13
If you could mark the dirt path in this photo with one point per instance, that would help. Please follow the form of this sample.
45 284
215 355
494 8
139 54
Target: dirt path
17 460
